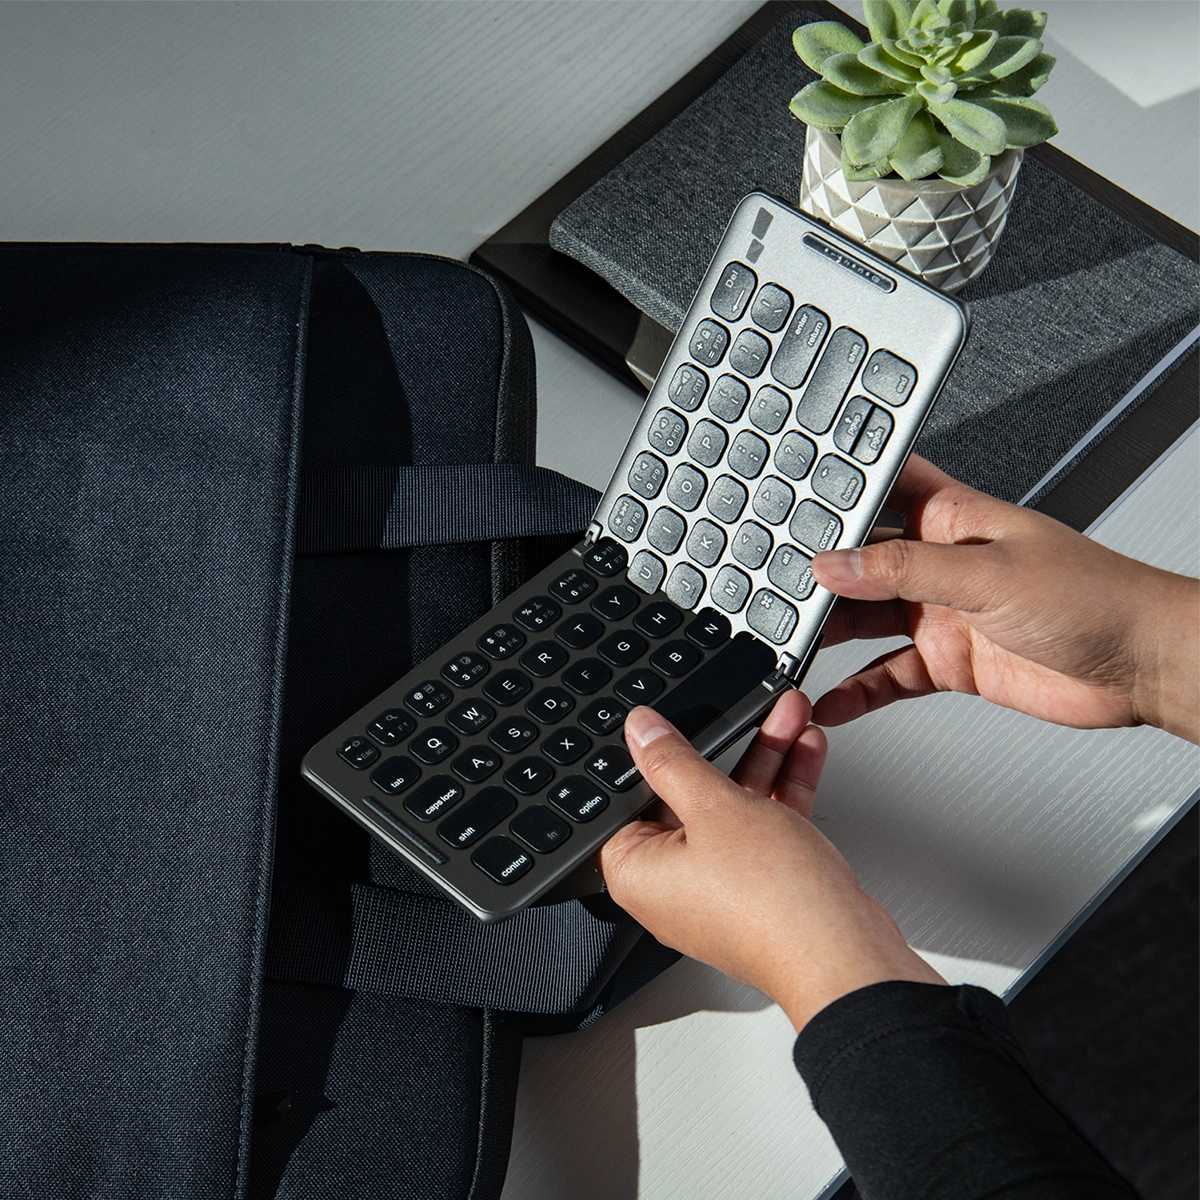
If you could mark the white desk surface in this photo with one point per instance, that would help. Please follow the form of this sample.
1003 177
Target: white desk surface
425 126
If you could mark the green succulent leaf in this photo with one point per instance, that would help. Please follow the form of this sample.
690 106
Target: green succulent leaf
974 51
918 154
816 42
878 59
1007 55
972 125
902 53
1028 122
846 72
1013 22
936 74
1023 82
960 12
887 19
827 107
857 173
936 93
985 9
961 164
929 18
871 135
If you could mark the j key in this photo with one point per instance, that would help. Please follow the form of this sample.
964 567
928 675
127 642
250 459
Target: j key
686 488
686 586
799 346
579 631
772 616
675 658
389 727
572 586
647 571
539 829
659 619
549 705
733 291
529 775
751 545
625 520
616 603
433 745
579 798
770 409
639 687
476 764
874 436
566 746
503 860
749 353
538 613
771 308
466 669
888 377
602 717
708 343
668 431
622 648
508 687
501 641
831 380
606 558
647 475
544 658
470 716
687 387
513 735
429 698
728 398
838 482
795 455
434 798
791 572
815 527
709 630
467 824
393 775
586 676
613 767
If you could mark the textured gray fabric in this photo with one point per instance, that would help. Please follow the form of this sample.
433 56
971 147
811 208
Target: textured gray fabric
1075 308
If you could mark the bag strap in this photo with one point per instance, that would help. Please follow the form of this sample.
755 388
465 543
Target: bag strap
396 507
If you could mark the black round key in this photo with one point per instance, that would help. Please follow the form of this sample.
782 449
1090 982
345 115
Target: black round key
607 558
476 763
540 829
639 686
470 716
568 745
615 603
502 859
514 734
482 812
358 752
659 619
586 676
429 698
675 658
395 774
579 798
580 631
603 716
613 766
549 705
508 687
538 613
709 630
434 797
389 727
501 641
529 775
543 658
465 669
572 586
622 648
433 745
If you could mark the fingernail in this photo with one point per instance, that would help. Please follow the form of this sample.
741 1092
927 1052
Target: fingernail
842 566
643 726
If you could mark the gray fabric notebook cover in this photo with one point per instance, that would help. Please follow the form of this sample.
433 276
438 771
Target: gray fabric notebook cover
1075 309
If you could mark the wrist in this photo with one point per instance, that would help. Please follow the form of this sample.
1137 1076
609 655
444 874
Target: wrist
1166 690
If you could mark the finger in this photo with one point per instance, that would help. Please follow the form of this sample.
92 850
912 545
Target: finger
852 620
759 767
900 675
801 773
919 482
629 856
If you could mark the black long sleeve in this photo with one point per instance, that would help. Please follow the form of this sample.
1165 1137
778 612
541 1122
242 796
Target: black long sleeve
926 1092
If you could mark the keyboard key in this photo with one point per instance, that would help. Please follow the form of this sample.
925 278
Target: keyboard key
434 798
687 387
539 829
606 558
708 343
772 616
613 766
667 432
658 620
389 727
572 586
586 676
675 659
580 631
432 745
513 734
850 424
529 775
748 454
685 586
544 658
429 698
508 687
706 543
603 717
501 641
626 520
728 398
566 746
751 545
770 409
476 763
773 500
465 669
709 630
888 377
815 527
771 308
838 482
733 291
470 716
579 798
666 530
749 353
549 705
502 860
686 488
726 500
472 820
831 380
795 455
622 648
730 589
647 571
707 443
716 686
874 435
640 686
799 346
647 475
537 614
791 572
393 775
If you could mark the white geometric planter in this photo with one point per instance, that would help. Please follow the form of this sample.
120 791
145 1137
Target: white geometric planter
941 231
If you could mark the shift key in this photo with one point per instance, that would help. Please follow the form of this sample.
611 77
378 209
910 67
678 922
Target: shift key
831 380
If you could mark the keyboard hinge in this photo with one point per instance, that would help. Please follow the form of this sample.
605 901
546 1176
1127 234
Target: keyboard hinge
791 670
594 530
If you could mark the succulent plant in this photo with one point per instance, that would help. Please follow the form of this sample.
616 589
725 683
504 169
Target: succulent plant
944 86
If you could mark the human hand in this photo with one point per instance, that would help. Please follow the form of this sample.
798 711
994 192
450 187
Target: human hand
1006 603
735 875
